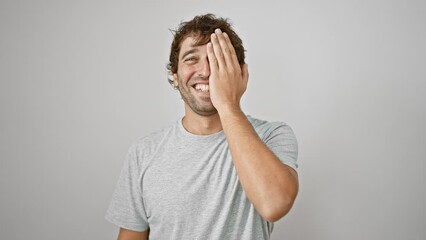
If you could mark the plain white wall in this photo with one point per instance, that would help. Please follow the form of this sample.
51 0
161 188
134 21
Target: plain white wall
80 80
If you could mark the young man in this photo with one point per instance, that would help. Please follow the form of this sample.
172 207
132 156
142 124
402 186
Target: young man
216 173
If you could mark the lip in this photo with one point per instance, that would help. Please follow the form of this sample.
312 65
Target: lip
200 92
199 82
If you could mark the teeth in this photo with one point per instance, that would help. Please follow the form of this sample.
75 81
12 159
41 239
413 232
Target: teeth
202 87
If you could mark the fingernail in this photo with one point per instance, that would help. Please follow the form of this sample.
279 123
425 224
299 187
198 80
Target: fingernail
217 30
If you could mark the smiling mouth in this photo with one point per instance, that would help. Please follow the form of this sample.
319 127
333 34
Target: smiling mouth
202 87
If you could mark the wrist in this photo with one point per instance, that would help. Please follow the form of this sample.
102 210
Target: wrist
229 110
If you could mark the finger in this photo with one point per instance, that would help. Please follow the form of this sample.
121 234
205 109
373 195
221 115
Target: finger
212 58
231 49
218 51
225 47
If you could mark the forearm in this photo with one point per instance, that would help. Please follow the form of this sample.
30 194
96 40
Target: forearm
270 185
125 234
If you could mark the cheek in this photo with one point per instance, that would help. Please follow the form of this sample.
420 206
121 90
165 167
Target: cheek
185 74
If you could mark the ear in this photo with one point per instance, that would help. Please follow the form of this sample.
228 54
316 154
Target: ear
175 81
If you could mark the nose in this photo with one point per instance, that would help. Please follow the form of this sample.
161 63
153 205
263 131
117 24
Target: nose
204 68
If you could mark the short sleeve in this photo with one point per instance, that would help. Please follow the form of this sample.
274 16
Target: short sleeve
283 143
126 209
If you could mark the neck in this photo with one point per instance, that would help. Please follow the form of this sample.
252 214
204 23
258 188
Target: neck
202 125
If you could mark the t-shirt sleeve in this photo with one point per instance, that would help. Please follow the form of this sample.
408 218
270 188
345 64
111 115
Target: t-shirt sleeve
283 143
126 209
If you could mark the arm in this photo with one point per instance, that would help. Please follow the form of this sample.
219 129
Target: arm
270 185
126 234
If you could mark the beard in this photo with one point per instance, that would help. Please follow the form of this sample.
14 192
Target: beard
200 105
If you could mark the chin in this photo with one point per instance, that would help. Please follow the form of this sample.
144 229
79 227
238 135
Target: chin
206 111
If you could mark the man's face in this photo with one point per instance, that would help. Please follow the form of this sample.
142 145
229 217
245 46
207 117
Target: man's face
192 78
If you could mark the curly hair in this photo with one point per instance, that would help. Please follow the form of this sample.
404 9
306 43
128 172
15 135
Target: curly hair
200 28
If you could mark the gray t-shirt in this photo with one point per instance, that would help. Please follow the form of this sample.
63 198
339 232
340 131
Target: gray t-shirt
185 186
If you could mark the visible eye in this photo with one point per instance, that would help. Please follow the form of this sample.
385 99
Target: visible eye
190 60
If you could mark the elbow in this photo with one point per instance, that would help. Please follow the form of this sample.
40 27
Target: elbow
277 200
273 211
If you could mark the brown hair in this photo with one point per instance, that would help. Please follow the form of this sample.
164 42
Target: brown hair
201 27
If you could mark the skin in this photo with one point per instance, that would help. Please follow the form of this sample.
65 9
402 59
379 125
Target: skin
126 234
270 185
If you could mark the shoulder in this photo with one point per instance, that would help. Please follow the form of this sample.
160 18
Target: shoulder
144 146
279 137
265 128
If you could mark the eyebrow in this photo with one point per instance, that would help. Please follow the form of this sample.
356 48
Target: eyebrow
189 52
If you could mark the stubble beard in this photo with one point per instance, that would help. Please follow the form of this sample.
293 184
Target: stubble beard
195 103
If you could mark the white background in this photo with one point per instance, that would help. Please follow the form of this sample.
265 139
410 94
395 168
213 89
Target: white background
80 80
